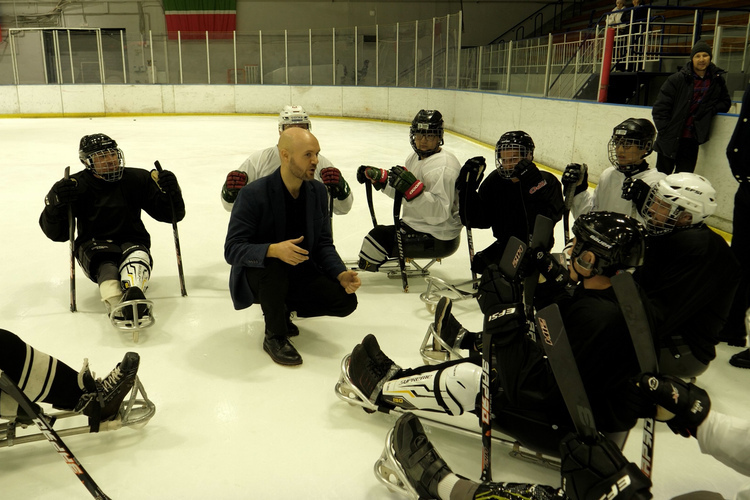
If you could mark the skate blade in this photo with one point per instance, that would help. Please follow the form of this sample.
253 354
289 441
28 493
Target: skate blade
438 288
434 350
350 393
390 473
135 412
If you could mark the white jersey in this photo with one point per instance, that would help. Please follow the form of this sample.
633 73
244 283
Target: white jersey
727 439
607 196
435 211
264 162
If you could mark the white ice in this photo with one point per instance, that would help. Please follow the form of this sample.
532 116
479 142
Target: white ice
230 423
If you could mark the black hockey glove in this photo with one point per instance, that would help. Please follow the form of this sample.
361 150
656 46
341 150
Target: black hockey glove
538 259
682 405
529 175
495 289
599 470
335 182
62 194
377 176
575 173
167 182
504 321
471 174
636 191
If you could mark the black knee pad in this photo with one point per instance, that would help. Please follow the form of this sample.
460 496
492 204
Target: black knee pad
92 253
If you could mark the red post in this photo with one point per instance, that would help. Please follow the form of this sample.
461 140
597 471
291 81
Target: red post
609 42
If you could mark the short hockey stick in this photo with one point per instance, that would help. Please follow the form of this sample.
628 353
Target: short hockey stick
556 345
370 206
568 197
470 243
176 239
330 209
72 239
9 386
399 243
640 331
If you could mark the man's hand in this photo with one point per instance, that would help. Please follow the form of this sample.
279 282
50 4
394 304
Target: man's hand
236 180
335 182
635 190
528 174
63 193
377 176
288 251
349 280
167 182
682 405
576 174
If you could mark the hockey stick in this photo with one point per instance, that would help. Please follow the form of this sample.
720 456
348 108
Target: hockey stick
560 356
640 331
542 237
9 386
399 243
568 196
368 193
176 239
72 238
330 210
470 243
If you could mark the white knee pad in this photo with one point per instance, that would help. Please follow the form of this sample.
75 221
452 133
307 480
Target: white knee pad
135 270
453 389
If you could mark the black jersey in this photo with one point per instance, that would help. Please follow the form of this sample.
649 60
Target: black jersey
510 208
690 276
112 210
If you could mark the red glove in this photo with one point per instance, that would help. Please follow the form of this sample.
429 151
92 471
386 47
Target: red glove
331 176
236 179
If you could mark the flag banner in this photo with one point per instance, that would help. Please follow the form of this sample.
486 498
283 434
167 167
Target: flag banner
193 18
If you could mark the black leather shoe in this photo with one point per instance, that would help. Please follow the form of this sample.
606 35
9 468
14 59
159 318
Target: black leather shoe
282 351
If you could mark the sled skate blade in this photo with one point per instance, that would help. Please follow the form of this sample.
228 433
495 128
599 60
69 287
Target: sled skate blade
434 350
437 288
347 391
135 412
120 314
390 473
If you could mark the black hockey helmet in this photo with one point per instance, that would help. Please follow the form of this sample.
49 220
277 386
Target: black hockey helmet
517 141
429 122
637 132
617 241
97 146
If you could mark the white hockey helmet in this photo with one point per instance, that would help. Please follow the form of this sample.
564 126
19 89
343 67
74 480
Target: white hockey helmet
294 116
674 196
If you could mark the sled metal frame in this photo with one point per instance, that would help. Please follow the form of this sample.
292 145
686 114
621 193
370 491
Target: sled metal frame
135 412
438 288
132 325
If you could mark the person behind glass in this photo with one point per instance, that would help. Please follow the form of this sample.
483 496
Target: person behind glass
684 109
106 198
265 161
428 185
689 274
510 198
280 247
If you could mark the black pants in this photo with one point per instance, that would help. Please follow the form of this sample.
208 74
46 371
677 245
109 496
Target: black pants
734 328
280 288
684 160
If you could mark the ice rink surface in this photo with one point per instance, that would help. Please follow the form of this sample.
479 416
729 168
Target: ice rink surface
231 424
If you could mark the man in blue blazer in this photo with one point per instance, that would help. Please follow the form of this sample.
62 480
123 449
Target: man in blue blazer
280 246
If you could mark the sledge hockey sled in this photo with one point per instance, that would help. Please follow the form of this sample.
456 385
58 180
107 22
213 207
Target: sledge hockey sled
348 392
438 288
434 350
118 318
135 412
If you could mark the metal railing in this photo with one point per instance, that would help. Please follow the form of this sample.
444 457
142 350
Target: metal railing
421 54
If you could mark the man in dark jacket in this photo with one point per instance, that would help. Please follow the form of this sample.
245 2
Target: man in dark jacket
684 109
106 200
510 198
738 154
281 250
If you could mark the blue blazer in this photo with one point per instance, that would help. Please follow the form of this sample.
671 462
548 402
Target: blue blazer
258 219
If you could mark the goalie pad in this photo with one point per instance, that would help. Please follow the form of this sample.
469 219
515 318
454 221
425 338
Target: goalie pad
451 389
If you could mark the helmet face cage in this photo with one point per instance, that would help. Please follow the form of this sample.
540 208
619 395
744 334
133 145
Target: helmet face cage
429 123
674 195
632 133
294 116
616 240
521 146
100 154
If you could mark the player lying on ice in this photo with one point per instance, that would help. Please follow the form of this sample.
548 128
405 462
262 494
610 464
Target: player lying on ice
527 403
46 379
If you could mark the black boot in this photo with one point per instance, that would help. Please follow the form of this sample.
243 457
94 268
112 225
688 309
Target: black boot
281 350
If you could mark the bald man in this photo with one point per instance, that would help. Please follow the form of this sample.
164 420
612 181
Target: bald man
280 247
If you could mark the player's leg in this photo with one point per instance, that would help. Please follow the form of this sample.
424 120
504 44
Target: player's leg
134 272
98 260
312 294
377 246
